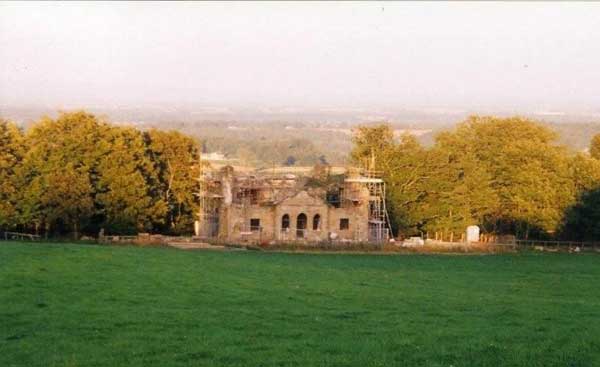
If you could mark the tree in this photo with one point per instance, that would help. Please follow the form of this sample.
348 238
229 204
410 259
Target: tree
59 171
66 197
595 147
505 174
584 172
403 165
76 174
173 155
124 188
10 157
460 191
582 219
406 172
528 172
369 141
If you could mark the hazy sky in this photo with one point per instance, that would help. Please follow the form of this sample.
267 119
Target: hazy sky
535 56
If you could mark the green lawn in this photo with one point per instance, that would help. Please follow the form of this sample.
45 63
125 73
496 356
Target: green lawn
78 305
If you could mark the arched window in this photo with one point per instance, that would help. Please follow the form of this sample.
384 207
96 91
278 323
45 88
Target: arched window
285 222
316 222
301 225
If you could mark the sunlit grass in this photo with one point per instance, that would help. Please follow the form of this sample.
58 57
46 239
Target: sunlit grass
74 305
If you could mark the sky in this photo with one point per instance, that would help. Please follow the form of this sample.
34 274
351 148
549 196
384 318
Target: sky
529 56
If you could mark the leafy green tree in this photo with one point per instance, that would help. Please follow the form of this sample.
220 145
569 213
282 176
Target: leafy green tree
406 172
403 165
530 172
582 219
506 174
460 191
372 143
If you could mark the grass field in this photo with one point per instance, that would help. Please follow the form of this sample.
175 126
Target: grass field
84 305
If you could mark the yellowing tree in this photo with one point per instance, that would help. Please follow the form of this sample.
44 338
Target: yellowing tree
124 187
59 171
174 156
10 157
77 174
404 164
66 197
459 191
595 147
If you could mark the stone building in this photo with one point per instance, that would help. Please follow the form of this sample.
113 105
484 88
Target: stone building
268 208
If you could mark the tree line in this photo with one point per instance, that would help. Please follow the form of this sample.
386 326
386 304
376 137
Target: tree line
77 174
507 175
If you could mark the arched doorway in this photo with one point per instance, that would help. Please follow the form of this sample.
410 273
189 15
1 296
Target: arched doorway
285 222
301 225
316 222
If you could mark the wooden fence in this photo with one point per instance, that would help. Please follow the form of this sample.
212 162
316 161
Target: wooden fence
21 236
571 246
510 240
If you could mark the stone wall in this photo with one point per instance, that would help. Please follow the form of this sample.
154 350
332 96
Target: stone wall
236 221
239 219
309 206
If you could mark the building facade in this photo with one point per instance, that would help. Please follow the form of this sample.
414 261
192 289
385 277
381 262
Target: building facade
288 208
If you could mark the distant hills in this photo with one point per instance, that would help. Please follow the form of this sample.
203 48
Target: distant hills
306 136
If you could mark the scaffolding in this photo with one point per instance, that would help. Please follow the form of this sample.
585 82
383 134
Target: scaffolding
209 203
379 224
245 192
224 193
380 229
